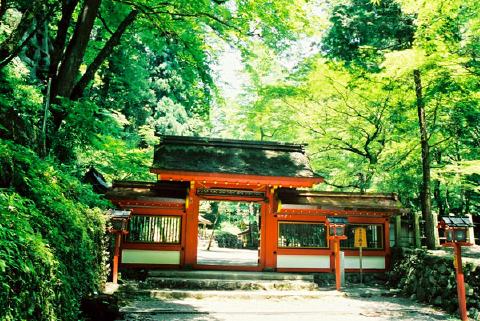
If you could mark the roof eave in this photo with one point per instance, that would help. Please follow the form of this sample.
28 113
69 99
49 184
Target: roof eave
208 177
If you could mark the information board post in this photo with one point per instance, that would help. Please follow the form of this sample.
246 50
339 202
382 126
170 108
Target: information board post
360 242
361 267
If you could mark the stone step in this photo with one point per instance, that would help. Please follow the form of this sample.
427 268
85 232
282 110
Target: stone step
230 275
145 295
224 284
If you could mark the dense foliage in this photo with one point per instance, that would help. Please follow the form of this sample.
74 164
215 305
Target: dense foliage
87 83
360 29
355 100
52 238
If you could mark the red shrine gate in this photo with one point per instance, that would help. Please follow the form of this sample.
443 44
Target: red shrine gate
164 220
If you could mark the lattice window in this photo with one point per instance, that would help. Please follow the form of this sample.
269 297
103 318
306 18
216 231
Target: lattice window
301 235
374 236
155 229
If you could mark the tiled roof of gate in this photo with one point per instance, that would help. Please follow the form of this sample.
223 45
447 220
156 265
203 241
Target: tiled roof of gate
214 155
341 200
147 191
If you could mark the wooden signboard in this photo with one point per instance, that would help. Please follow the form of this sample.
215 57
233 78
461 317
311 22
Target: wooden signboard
360 237
360 242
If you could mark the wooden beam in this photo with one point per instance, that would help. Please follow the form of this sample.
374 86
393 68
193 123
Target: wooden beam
222 178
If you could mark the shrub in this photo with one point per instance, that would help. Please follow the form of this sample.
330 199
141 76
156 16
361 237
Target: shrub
63 228
227 239
28 268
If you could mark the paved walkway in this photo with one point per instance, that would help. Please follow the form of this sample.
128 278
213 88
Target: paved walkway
224 256
356 305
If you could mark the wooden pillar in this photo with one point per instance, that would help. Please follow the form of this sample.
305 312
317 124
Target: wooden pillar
191 228
398 230
270 230
338 280
386 242
416 224
462 302
116 254
471 231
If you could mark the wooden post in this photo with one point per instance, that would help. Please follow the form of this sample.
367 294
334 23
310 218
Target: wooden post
398 230
462 302
116 253
269 238
471 231
191 228
361 264
336 247
418 242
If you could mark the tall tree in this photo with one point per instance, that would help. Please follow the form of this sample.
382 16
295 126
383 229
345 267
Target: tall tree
107 49
64 81
425 194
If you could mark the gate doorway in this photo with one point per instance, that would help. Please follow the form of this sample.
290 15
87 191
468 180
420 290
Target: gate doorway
229 233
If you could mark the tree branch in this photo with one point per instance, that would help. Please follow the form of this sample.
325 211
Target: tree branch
104 23
342 186
153 10
349 147
114 40
441 142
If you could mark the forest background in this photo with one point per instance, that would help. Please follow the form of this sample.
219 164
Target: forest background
385 93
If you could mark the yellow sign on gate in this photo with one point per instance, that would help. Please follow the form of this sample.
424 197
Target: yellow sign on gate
360 237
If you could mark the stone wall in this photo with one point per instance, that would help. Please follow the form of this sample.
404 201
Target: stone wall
431 279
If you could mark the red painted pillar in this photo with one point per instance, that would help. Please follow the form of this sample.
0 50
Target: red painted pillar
386 242
191 228
270 231
116 253
462 302
338 281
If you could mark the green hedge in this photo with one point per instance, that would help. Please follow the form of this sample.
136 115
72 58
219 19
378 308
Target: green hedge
51 238
228 240
431 279
28 267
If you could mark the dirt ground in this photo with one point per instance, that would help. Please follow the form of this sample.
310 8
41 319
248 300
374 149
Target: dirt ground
355 304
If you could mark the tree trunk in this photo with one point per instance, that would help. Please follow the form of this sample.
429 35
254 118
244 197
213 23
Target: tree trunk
63 84
430 226
107 49
39 50
213 232
60 39
3 8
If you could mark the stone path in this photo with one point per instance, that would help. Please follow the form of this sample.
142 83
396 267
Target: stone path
226 256
354 304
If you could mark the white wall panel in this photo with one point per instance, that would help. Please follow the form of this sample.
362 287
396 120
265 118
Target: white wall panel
303 261
368 262
150 257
